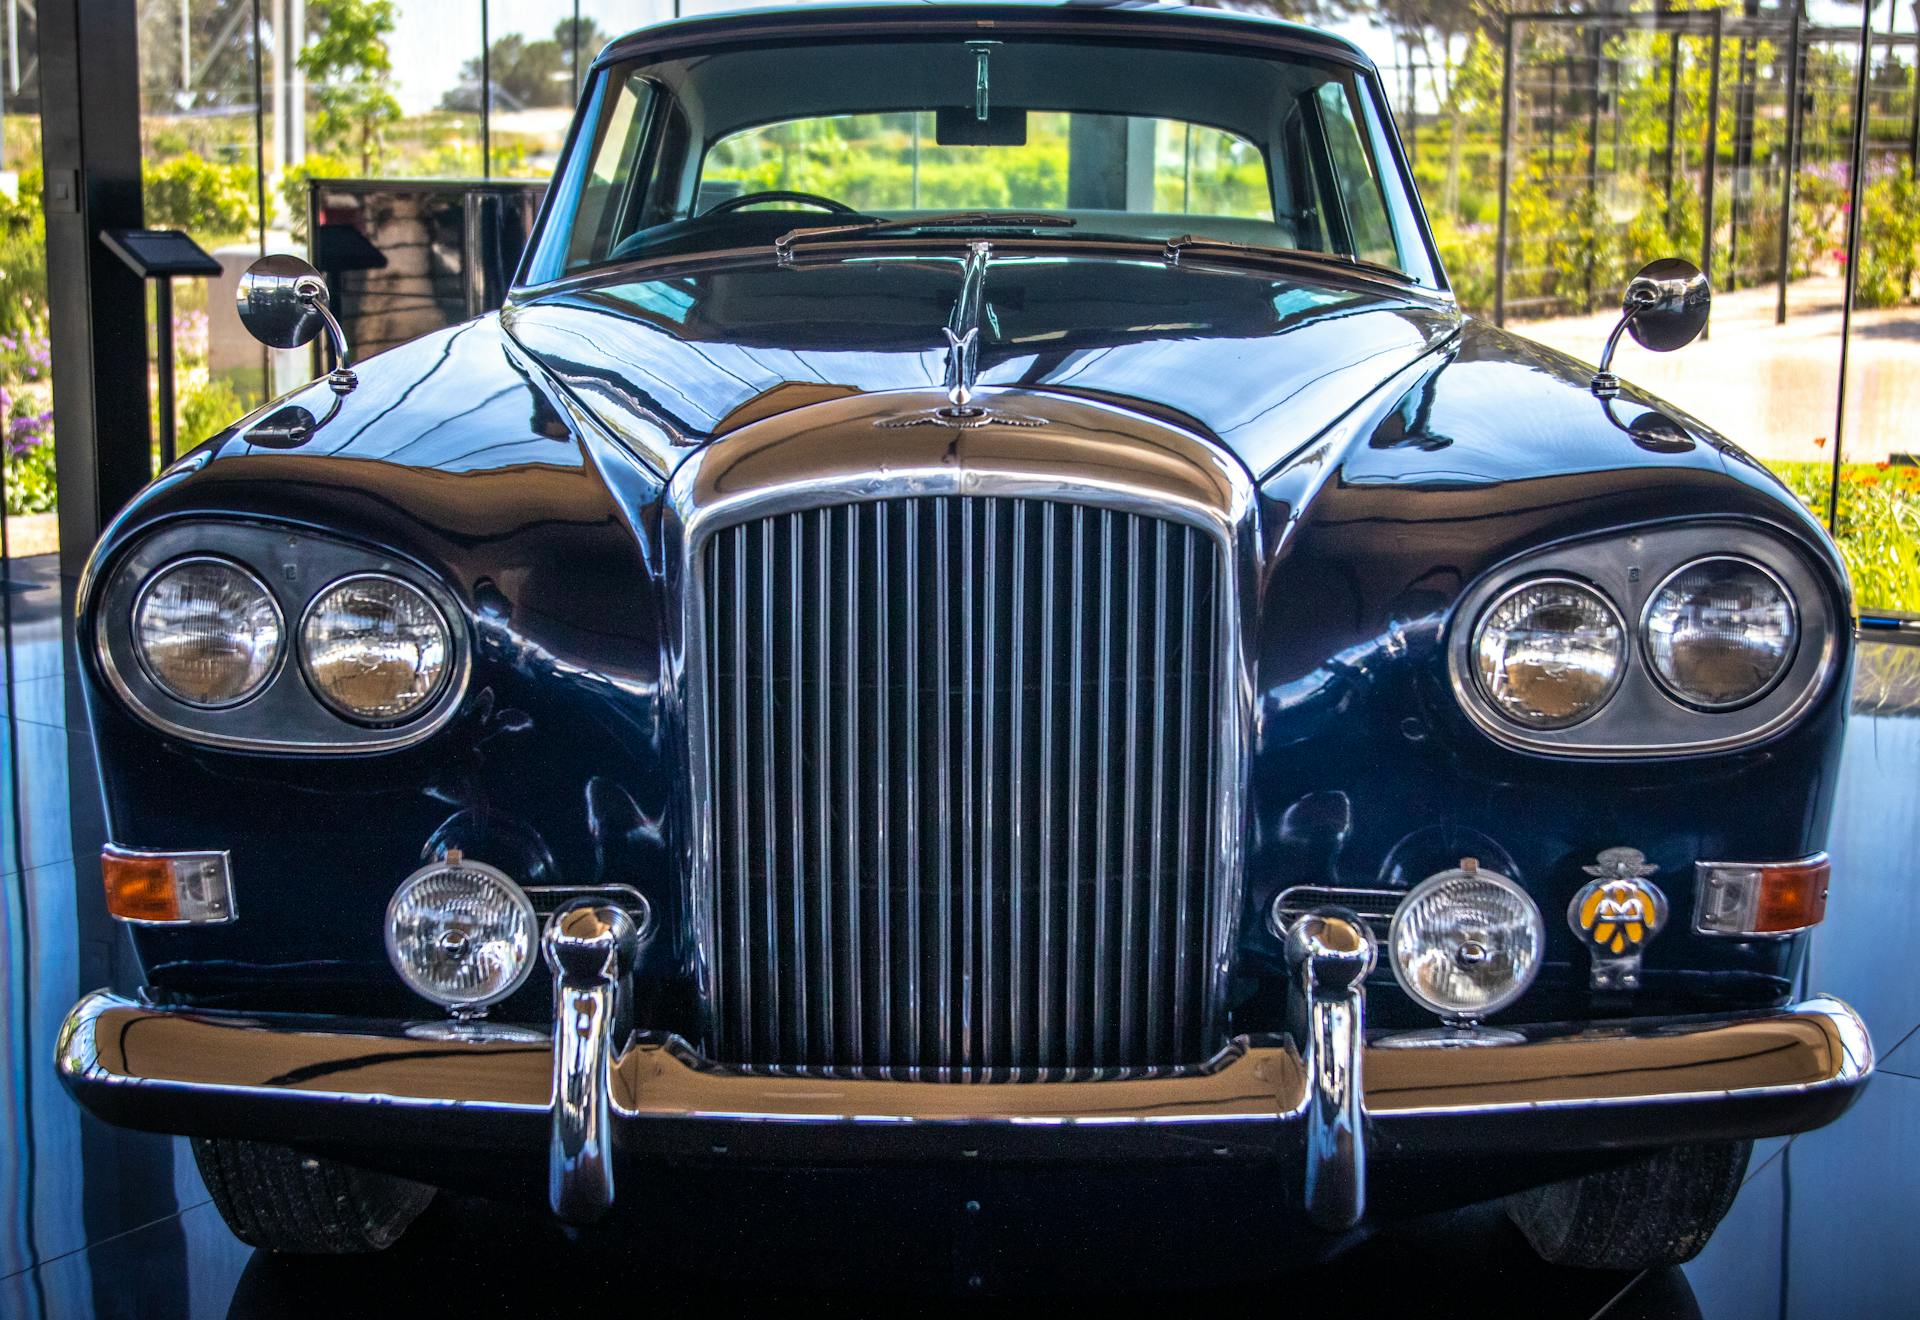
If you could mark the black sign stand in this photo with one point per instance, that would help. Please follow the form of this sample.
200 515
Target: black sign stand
159 255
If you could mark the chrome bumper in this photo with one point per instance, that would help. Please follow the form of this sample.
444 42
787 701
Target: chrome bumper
490 1089
1320 1110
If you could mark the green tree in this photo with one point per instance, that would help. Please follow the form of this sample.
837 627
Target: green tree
348 64
527 73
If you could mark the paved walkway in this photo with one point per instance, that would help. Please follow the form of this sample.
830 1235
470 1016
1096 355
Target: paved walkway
1771 388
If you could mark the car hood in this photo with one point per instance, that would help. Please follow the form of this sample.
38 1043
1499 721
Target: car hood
1257 360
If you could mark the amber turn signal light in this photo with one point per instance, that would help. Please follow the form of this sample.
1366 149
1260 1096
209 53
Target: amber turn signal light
167 889
1760 898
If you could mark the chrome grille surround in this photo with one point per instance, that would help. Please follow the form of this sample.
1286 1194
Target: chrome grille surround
803 474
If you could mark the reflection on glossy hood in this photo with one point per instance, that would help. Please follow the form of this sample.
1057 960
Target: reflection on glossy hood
1261 361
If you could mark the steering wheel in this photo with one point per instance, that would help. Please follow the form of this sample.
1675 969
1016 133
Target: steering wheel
779 195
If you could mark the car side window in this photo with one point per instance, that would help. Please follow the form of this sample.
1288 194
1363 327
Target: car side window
607 199
1358 189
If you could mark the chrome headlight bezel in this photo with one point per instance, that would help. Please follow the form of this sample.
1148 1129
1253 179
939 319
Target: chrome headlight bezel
1642 717
285 715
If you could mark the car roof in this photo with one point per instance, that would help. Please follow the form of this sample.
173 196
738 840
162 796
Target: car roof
864 18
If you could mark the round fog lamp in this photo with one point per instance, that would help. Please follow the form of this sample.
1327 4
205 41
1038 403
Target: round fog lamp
1466 943
461 934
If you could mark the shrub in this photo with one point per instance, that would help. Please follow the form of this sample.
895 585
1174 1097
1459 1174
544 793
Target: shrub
1878 526
1889 240
23 264
191 193
28 424
293 187
207 409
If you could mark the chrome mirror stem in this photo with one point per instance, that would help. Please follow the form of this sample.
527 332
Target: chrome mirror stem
312 290
1330 952
591 948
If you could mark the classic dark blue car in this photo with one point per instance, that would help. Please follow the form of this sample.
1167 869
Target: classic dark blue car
981 605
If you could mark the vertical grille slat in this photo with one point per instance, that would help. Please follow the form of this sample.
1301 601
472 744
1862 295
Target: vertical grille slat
965 791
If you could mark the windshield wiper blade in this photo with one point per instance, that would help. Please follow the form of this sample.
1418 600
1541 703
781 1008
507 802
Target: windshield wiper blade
982 220
1205 243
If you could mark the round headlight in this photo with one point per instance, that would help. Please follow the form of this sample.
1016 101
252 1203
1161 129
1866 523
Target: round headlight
375 648
1466 942
461 933
207 631
1548 653
1720 632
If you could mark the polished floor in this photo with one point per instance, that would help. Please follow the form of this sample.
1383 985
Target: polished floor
99 1222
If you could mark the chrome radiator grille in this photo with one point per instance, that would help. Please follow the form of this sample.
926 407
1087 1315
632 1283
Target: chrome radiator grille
963 802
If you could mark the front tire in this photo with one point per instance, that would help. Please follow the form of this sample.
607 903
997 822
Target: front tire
278 1199
1657 1211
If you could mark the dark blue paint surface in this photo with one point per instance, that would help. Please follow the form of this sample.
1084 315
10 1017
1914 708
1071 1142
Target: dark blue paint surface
1401 453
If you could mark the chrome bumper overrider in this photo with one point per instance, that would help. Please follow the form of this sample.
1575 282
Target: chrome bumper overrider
440 1089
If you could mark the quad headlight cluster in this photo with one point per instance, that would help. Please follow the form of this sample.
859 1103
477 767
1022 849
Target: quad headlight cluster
210 634
1716 634
243 636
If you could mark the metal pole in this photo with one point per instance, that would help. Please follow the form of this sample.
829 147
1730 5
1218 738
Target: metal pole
1913 128
163 368
1593 157
1790 174
1710 167
1553 118
1506 177
259 142
486 95
1856 178
1673 117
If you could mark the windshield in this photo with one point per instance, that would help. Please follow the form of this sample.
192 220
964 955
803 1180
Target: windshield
1093 138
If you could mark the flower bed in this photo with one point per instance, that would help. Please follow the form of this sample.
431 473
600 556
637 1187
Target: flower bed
1878 526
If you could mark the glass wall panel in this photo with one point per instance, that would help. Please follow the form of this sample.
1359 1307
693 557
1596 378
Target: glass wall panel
199 137
26 394
1555 153
1558 153
1877 495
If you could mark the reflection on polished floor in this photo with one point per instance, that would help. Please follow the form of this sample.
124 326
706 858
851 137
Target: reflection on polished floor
95 1221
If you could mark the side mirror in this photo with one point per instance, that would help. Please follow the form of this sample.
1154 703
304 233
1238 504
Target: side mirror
283 303
1665 307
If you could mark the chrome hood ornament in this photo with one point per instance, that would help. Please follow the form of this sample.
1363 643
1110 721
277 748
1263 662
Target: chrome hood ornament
962 332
